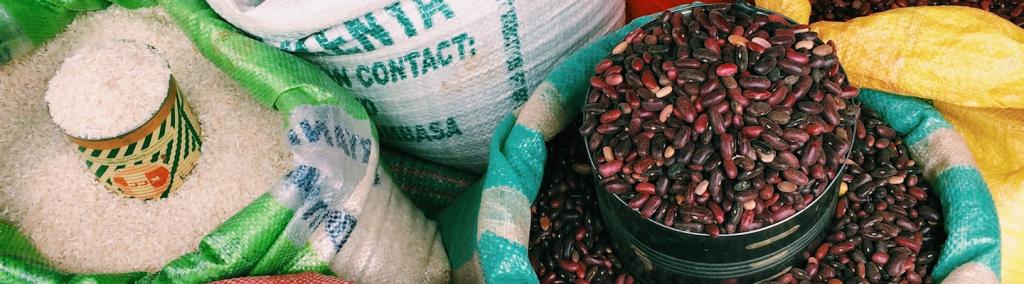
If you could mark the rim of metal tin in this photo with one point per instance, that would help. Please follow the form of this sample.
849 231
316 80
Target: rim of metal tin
745 7
164 100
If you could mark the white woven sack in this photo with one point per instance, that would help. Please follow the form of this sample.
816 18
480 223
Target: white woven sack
348 210
436 75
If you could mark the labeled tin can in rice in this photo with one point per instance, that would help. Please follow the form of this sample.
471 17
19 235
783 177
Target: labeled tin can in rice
119 104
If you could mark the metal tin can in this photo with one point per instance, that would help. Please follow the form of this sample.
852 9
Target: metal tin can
655 253
152 160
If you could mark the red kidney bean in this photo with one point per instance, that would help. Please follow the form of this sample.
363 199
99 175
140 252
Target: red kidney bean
907 243
645 187
638 201
610 116
757 94
713 99
795 176
726 69
752 131
783 213
795 135
678 79
755 82
791 67
610 168
778 95
650 206
885 222
788 159
709 87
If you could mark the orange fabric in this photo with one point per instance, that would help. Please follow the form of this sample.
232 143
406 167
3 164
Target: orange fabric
640 8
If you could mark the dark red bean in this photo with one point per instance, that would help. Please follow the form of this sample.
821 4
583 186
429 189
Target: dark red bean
610 168
757 94
795 135
755 82
795 176
726 69
650 206
783 213
750 116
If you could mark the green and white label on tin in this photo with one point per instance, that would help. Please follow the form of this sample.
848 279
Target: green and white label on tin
151 161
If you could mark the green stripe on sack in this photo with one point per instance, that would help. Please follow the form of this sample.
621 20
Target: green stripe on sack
513 52
968 210
232 249
521 154
516 162
503 260
905 114
17 271
284 257
458 224
289 258
962 189
16 245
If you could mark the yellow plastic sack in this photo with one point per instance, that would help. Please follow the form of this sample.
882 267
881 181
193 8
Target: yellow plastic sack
959 55
799 11
995 138
971 64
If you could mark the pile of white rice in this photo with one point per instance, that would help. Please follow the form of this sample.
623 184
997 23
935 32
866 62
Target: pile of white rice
79 225
108 88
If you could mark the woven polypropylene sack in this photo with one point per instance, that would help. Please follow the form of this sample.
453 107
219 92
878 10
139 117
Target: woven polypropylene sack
971 253
338 171
970 63
799 11
497 209
959 55
436 75
994 136
305 277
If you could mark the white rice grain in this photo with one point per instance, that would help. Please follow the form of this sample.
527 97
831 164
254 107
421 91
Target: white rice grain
107 89
78 224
